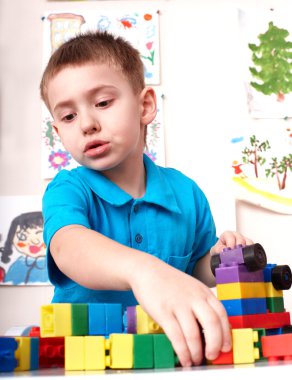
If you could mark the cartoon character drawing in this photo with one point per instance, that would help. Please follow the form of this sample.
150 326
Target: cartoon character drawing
237 169
26 237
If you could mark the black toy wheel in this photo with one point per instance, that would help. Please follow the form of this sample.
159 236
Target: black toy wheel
281 277
254 257
215 262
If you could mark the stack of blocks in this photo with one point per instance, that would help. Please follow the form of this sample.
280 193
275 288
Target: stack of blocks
252 293
100 336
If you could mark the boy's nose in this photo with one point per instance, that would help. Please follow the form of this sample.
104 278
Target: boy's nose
89 123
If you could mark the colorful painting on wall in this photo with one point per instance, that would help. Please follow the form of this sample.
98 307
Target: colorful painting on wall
22 249
139 28
266 39
262 152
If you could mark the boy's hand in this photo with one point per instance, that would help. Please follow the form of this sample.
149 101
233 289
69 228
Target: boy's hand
182 306
229 239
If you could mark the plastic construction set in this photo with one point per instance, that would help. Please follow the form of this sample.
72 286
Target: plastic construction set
92 336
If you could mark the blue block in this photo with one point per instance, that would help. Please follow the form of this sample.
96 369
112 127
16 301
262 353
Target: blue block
8 347
268 272
34 353
245 306
276 331
114 318
96 319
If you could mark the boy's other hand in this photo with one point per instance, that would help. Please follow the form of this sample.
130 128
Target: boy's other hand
229 239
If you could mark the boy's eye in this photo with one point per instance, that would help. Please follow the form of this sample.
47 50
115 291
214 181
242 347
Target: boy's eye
69 117
103 104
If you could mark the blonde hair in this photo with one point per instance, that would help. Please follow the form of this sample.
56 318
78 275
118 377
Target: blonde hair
95 47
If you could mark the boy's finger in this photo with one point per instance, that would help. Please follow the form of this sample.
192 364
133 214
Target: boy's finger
212 329
175 335
223 318
192 334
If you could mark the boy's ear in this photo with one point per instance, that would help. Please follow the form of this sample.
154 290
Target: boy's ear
148 105
55 128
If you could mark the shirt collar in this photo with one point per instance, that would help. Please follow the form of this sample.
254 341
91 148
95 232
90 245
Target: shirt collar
158 190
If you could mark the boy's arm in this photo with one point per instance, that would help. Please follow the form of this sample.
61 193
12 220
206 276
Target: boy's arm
179 303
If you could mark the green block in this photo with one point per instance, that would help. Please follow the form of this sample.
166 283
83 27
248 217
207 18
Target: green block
164 356
143 351
275 304
79 314
261 332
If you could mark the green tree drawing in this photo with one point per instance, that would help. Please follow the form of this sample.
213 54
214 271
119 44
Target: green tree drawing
280 170
251 154
273 57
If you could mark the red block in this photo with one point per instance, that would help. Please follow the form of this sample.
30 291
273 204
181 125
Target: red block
277 347
223 358
265 321
51 352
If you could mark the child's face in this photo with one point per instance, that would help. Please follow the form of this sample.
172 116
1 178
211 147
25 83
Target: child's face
97 115
29 241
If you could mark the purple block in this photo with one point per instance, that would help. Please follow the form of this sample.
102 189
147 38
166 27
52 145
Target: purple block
232 257
237 273
131 320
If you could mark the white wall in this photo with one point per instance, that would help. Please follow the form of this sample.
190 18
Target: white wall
204 104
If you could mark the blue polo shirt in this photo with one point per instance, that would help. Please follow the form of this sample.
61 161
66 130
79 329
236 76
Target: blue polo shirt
172 221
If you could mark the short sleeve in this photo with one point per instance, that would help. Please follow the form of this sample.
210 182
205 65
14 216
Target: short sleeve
65 202
205 231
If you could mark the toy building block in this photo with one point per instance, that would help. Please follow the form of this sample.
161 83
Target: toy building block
143 351
56 320
244 306
51 352
253 256
258 344
244 351
35 332
265 321
164 356
74 353
34 353
275 304
145 324
120 347
8 346
238 290
223 358
271 291
237 273
130 320
277 347
79 316
22 354
94 353
105 319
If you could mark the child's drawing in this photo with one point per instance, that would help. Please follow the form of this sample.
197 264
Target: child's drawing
267 56
22 251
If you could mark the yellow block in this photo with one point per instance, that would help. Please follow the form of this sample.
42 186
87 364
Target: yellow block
56 320
120 348
236 290
22 354
243 346
271 291
94 352
145 324
74 353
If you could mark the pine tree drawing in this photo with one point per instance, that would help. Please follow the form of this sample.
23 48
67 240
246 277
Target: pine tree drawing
273 61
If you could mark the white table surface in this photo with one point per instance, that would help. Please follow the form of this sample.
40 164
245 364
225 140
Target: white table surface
259 371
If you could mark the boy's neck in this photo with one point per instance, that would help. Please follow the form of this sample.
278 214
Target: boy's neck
130 178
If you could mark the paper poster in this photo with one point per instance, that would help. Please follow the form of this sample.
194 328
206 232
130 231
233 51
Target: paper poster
22 249
141 29
266 42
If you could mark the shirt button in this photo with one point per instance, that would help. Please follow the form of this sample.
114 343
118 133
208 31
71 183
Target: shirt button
138 238
136 208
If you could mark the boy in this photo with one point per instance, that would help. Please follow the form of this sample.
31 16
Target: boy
119 228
